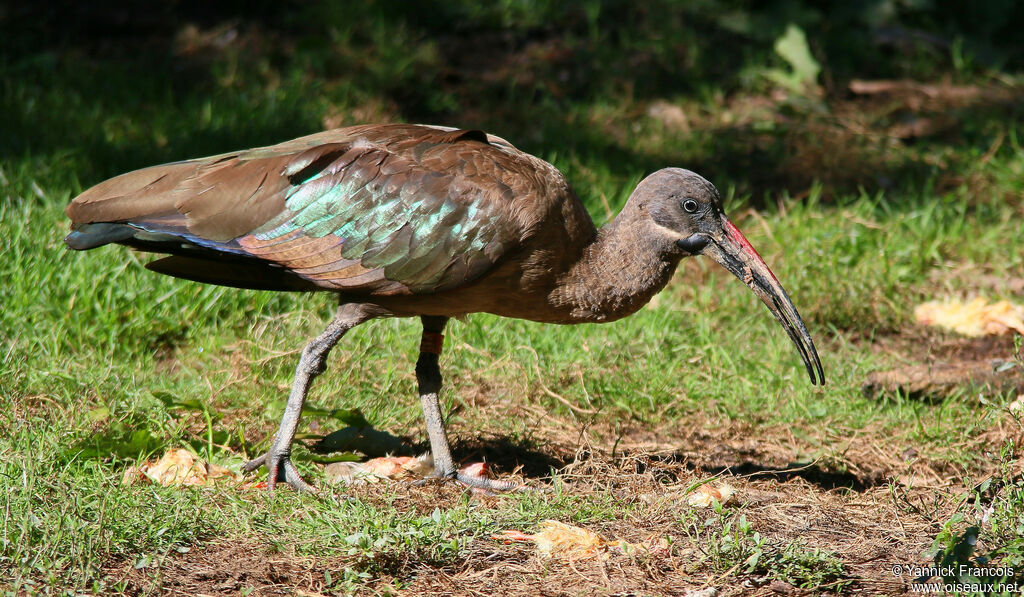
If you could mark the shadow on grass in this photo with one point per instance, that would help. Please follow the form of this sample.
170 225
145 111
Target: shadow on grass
129 87
813 473
123 440
506 456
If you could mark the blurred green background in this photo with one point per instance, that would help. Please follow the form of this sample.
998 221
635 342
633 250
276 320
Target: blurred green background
99 88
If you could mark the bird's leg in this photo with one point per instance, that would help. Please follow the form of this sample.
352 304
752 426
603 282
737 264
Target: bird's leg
428 376
314 355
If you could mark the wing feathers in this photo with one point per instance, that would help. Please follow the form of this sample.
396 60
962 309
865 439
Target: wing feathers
384 209
254 275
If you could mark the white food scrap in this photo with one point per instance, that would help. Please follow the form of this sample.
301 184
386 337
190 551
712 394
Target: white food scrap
375 469
705 495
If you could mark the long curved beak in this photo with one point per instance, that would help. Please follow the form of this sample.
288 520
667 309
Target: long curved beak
734 252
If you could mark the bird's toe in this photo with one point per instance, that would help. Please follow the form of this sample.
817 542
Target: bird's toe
474 477
254 464
486 484
279 468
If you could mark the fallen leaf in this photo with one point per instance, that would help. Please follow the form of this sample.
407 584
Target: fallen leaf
975 318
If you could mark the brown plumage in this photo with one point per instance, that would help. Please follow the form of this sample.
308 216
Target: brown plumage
411 220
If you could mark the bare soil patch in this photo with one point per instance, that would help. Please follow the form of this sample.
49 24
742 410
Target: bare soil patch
846 507
933 366
859 530
224 567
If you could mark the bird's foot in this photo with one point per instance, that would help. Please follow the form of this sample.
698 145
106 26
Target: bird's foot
474 477
279 468
488 485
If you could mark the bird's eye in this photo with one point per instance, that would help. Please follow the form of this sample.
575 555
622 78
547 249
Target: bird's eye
690 205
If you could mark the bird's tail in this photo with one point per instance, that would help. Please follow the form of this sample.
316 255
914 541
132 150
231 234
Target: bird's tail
90 236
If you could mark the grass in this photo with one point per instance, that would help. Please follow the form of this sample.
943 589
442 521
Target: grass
736 546
104 364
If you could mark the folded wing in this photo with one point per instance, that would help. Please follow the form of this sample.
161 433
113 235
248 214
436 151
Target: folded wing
389 209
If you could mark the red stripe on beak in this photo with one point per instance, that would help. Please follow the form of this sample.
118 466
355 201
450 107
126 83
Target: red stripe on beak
737 237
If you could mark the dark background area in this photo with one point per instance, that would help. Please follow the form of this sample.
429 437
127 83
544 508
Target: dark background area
105 87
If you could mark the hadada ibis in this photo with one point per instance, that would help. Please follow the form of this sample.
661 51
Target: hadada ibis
417 221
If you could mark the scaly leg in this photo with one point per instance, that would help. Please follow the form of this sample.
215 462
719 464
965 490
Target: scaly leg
428 376
277 459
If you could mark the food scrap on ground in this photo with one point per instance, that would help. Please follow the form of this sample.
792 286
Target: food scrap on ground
178 467
376 469
975 318
392 467
706 495
559 540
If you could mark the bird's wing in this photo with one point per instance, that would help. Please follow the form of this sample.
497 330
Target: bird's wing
388 209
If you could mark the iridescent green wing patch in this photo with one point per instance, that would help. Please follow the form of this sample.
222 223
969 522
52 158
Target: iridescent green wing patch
370 216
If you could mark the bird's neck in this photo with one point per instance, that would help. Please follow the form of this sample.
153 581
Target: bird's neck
615 276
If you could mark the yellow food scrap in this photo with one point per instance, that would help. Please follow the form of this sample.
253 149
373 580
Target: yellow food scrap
557 539
975 318
565 541
178 467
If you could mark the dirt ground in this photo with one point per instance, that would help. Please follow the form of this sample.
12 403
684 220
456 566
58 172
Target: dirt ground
872 501
782 501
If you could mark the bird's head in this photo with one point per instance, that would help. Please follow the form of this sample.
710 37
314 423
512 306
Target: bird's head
684 211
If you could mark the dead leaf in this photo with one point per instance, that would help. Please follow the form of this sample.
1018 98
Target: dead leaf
975 318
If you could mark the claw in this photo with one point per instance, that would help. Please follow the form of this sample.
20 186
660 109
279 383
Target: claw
488 485
473 481
279 468
254 464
